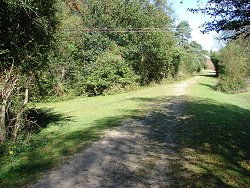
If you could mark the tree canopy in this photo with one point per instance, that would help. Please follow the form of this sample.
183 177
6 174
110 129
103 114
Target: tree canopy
228 15
183 32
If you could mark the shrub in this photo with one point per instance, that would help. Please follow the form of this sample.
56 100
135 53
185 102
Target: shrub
109 71
232 65
227 84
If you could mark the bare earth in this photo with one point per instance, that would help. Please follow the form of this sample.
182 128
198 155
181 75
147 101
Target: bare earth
137 154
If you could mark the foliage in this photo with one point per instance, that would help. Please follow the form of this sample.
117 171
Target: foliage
232 63
110 71
147 52
228 16
152 59
183 32
27 29
26 32
215 59
26 36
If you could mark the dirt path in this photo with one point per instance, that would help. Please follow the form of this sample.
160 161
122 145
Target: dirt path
136 154
181 88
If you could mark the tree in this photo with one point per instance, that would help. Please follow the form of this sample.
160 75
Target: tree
26 29
228 15
146 52
197 50
183 32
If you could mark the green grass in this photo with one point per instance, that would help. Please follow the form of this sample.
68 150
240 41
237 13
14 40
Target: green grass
212 134
213 138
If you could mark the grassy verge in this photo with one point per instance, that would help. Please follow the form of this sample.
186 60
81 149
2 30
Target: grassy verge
213 138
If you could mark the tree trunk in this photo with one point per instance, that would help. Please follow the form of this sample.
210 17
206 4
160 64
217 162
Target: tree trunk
19 115
2 122
6 91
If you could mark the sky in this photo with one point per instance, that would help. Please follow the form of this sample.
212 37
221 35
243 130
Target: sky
207 41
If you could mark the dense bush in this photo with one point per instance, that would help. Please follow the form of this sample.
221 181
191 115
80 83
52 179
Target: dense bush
153 56
229 84
110 71
232 65
215 59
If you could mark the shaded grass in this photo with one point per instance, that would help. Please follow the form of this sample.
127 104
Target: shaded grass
211 132
213 144
213 138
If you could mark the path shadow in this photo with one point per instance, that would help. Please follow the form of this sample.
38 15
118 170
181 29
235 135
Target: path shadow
38 162
205 144
212 141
